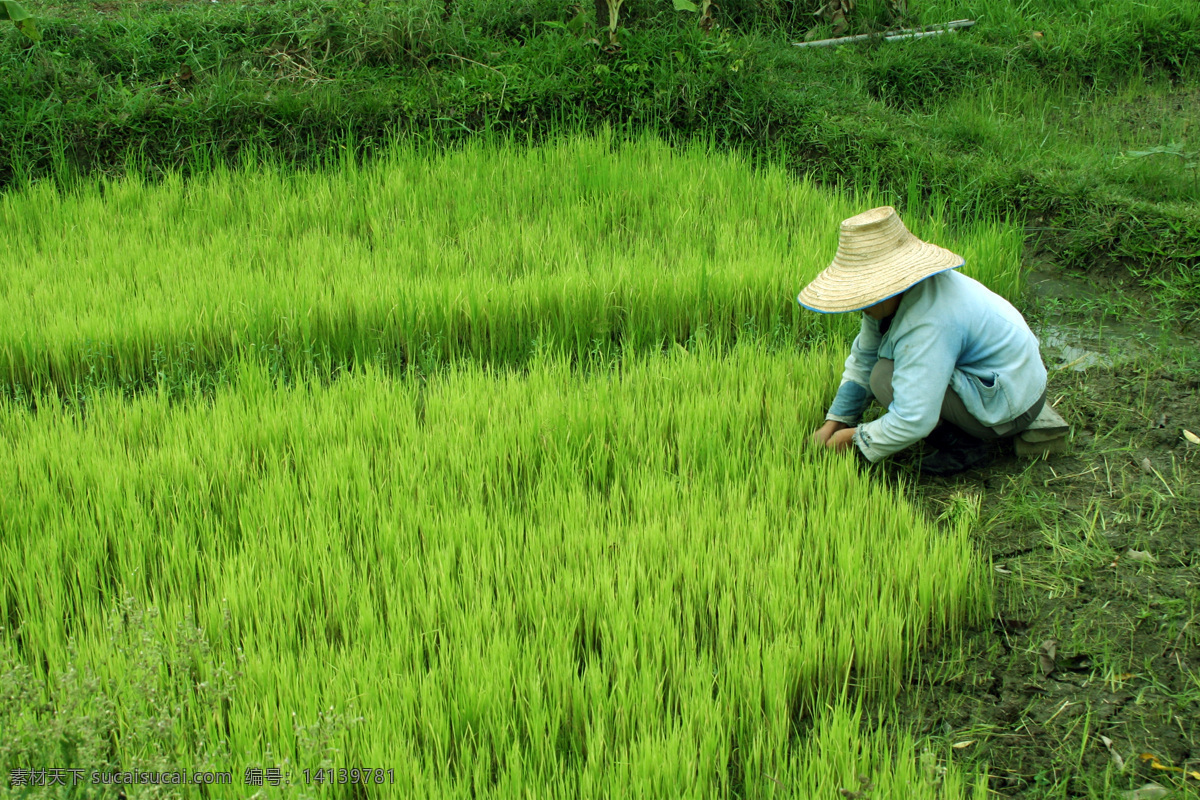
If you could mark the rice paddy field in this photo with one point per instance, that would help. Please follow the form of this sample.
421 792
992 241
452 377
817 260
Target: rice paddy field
486 471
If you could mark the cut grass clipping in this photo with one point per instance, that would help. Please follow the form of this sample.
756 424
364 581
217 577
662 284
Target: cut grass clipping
634 582
634 579
588 245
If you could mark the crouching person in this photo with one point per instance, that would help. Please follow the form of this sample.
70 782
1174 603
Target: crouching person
950 361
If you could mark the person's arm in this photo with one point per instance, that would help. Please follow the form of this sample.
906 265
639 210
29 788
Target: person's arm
855 391
925 357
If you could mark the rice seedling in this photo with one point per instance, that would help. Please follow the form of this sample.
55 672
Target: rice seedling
633 581
621 580
486 252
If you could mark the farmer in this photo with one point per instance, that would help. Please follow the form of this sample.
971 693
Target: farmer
949 359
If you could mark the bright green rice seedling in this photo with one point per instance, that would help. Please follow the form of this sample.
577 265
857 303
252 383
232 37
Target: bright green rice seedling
489 252
637 581
628 580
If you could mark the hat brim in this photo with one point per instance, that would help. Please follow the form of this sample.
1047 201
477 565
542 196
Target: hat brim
838 290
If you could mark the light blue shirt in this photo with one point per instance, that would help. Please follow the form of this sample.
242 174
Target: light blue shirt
948 331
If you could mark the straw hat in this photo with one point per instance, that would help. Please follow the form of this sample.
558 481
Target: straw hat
876 258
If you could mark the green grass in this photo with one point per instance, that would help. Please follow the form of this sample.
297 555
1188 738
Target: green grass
638 581
992 121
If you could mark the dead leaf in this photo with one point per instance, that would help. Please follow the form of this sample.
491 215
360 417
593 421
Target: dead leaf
1147 467
839 27
1191 437
1150 791
961 745
836 12
1156 764
1046 657
1142 556
1116 757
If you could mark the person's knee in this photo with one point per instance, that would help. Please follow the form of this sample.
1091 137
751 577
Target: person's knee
955 412
881 381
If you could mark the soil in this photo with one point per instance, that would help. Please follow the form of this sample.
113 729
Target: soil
1086 681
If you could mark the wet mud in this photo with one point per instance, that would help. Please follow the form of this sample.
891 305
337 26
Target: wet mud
1086 680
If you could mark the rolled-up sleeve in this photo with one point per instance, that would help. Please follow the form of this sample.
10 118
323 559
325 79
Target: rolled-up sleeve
855 391
849 404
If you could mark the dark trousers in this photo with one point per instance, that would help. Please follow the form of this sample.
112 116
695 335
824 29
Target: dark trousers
953 410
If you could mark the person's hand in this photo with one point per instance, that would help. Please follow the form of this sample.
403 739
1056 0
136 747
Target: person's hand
842 440
827 431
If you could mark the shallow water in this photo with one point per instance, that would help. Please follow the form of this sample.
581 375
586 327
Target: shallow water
1074 342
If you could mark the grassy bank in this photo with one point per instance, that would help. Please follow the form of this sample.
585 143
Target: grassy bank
1033 112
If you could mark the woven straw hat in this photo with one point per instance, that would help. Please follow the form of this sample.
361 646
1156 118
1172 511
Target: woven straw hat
876 258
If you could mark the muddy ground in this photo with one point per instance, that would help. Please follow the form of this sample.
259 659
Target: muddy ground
1086 681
